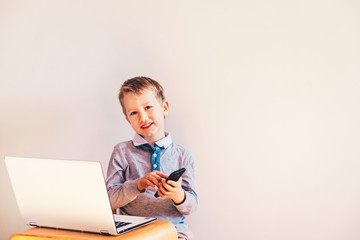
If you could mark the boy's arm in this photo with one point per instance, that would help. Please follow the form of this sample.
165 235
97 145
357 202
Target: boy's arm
190 202
120 190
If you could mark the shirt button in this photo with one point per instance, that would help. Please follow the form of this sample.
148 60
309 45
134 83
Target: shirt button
154 165
155 155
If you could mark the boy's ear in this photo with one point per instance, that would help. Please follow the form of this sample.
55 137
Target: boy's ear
165 108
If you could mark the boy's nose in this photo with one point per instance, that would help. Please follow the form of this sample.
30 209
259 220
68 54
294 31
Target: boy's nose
143 117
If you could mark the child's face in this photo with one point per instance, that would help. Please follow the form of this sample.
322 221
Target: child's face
146 115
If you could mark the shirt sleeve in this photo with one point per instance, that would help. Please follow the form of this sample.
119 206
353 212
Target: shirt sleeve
120 191
188 184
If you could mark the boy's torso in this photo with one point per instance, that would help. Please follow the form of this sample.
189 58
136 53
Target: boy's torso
135 162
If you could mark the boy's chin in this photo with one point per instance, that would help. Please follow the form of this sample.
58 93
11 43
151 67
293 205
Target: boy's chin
152 137
147 137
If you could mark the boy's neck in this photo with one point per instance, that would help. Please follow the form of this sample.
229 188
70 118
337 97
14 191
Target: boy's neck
152 141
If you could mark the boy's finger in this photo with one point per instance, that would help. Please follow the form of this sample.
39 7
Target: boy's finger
155 173
153 180
165 188
151 183
162 175
172 183
160 192
169 187
175 183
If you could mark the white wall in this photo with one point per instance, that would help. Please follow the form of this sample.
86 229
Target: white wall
265 93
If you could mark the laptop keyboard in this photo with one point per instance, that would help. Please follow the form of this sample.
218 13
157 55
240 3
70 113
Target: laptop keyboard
121 224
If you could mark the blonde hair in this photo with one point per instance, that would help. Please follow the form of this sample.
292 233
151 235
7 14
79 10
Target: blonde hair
138 85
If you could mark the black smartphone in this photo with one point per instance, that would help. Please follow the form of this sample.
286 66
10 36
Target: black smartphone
174 176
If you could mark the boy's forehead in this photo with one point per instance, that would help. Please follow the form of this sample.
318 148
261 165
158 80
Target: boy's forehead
146 95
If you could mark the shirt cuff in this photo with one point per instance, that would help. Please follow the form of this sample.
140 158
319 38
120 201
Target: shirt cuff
187 206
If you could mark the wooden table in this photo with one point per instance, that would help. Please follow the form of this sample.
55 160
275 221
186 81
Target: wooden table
158 230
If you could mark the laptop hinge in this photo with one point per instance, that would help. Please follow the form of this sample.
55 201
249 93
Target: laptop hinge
104 232
33 224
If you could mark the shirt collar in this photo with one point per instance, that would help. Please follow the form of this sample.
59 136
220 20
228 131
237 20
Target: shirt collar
164 142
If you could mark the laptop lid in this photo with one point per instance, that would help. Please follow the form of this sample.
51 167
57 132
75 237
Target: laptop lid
64 194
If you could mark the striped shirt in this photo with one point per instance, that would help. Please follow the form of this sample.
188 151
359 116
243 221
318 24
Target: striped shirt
131 160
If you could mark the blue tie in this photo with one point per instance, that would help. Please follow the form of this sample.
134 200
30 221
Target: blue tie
155 158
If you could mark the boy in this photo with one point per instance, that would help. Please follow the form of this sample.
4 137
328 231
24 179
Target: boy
137 168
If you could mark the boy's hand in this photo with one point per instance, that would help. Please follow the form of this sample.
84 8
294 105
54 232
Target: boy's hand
151 179
172 190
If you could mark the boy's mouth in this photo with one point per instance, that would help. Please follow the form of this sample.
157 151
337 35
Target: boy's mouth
146 125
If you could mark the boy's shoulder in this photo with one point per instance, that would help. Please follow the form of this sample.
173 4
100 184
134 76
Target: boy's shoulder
180 146
180 149
124 145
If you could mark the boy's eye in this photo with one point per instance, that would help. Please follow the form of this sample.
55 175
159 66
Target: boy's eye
132 113
148 107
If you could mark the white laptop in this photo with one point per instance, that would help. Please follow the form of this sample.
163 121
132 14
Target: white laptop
66 194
